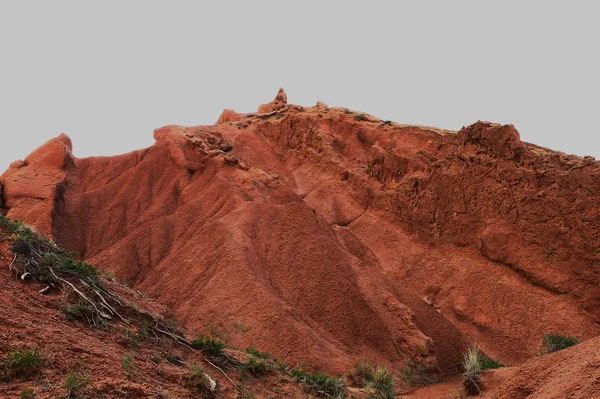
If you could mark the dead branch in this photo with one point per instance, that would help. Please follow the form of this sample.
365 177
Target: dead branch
81 294
187 344
105 304
10 268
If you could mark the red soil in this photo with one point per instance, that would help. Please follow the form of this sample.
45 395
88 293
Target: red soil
323 236
572 373
29 319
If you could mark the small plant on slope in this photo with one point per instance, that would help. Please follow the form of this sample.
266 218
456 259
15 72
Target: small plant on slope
321 385
77 312
75 384
21 363
212 347
128 364
415 375
377 378
472 383
557 342
27 393
259 363
197 380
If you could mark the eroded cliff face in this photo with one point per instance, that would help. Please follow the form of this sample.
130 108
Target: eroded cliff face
326 236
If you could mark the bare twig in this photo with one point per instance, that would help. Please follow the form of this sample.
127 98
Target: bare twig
81 294
187 344
10 268
105 304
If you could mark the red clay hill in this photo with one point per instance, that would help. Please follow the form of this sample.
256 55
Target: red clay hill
325 236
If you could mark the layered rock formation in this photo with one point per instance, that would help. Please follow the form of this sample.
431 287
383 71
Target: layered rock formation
324 236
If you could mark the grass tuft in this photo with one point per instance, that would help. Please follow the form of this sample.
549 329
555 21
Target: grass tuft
258 354
472 384
556 342
212 347
378 378
22 363
75 384
127 364
416 375
258 367
77 312
321 385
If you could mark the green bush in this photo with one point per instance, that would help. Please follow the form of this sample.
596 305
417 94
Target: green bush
258 367
487 363
28 243
557 342
10 225
76 312
415 375
321 385
258 354
360 117
212 347
22 363
379 378
75 384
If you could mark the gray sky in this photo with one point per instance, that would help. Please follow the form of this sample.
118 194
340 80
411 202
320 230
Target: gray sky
108 73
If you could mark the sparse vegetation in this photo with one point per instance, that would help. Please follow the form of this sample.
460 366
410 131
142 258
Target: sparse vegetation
75 384
197 380
472 384
21 363
360 117
212 347
387 122
487 363
109 275
128 364
27 393
260 363
258 354
258 366
39 259
242 327
416 375
378 378
77 312
556 342
321 385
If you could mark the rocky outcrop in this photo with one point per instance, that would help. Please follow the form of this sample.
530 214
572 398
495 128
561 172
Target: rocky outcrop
322 231
31 187
278 103
501 140
228 116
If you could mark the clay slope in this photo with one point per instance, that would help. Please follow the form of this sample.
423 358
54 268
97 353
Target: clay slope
325 236
67 345
571 373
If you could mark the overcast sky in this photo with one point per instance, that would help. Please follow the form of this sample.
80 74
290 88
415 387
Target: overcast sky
108 73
